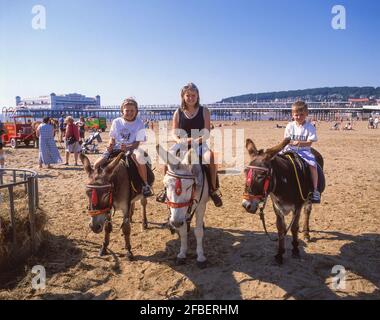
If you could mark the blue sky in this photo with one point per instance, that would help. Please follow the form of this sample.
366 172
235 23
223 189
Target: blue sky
150 48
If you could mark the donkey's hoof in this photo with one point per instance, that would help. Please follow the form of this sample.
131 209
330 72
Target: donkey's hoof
103 252
180 261
129 256
306 237
202 264
279 259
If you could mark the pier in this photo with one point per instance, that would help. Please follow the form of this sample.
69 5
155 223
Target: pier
219 112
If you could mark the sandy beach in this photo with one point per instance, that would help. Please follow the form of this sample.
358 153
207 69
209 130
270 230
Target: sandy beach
345 230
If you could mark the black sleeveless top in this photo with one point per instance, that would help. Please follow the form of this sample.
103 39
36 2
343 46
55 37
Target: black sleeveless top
187 124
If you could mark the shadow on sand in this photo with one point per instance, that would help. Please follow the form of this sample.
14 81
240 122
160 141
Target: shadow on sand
238 259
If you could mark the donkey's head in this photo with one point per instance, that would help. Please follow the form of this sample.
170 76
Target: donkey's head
99 190
180 183
258 174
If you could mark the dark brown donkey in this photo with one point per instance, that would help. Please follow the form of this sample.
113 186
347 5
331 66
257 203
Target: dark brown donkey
271 174
109 188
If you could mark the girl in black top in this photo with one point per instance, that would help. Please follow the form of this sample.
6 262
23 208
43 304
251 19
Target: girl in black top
194 122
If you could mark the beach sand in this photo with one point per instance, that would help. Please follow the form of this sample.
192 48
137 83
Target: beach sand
345 231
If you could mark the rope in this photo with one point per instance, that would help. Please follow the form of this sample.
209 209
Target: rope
298 181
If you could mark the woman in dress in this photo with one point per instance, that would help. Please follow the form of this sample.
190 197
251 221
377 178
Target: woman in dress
48 151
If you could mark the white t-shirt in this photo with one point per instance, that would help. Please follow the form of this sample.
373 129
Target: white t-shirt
305 132
127 132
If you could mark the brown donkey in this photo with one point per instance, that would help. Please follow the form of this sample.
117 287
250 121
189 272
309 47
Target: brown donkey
109 188
271 174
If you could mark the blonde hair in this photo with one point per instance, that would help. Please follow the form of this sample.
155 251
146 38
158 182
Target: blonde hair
129 101
69 119
189 87
300 106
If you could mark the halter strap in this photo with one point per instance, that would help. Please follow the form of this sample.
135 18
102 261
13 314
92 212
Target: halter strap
94 213
180 176
258 168
94 186
189 203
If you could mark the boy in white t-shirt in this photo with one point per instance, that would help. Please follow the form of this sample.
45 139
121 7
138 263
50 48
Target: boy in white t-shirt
126 134
302 134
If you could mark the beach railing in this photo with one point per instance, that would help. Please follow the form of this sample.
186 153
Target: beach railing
11 178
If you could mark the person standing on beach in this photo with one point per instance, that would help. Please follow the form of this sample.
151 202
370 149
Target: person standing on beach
2 160
81 126
61 124
72 140
190 117
302 134
48 151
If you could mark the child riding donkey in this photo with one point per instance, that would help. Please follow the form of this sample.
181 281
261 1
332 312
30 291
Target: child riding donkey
302 134
126 134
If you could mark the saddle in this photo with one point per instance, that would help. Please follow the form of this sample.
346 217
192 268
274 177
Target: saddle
303 172
135 181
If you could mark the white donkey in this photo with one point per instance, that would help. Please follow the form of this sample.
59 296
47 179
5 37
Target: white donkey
187 193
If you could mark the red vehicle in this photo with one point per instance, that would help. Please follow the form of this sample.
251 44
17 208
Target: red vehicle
18 128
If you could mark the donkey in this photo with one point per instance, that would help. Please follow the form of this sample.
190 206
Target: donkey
274 175
109 188
187 195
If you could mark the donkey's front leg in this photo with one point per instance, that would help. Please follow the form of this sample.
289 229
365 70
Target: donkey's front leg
198 231
183 250
144 220
107 231
127 234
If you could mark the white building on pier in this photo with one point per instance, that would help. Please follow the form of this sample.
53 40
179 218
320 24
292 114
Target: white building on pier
59 102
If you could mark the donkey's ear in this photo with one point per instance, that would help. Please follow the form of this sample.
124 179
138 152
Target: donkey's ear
270 153
86 164
250 146
167 157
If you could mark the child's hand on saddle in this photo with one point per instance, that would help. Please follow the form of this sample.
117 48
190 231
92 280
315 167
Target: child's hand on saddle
295 143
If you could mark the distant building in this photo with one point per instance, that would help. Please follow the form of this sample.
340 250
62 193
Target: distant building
59 102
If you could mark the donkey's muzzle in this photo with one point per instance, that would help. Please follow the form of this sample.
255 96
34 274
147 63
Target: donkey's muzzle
250 207
176 223
97 228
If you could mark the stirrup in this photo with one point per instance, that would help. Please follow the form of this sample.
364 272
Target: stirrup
147 191
161 198
216 197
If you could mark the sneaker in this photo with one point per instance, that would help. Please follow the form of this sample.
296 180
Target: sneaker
161 198
216 197
315 197
147 191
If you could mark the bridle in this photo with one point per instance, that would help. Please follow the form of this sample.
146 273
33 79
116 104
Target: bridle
178 190
262 198
94 201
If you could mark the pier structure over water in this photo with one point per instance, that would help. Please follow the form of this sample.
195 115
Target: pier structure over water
220 111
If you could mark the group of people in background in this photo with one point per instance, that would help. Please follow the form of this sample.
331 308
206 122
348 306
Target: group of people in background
72 133
373 123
